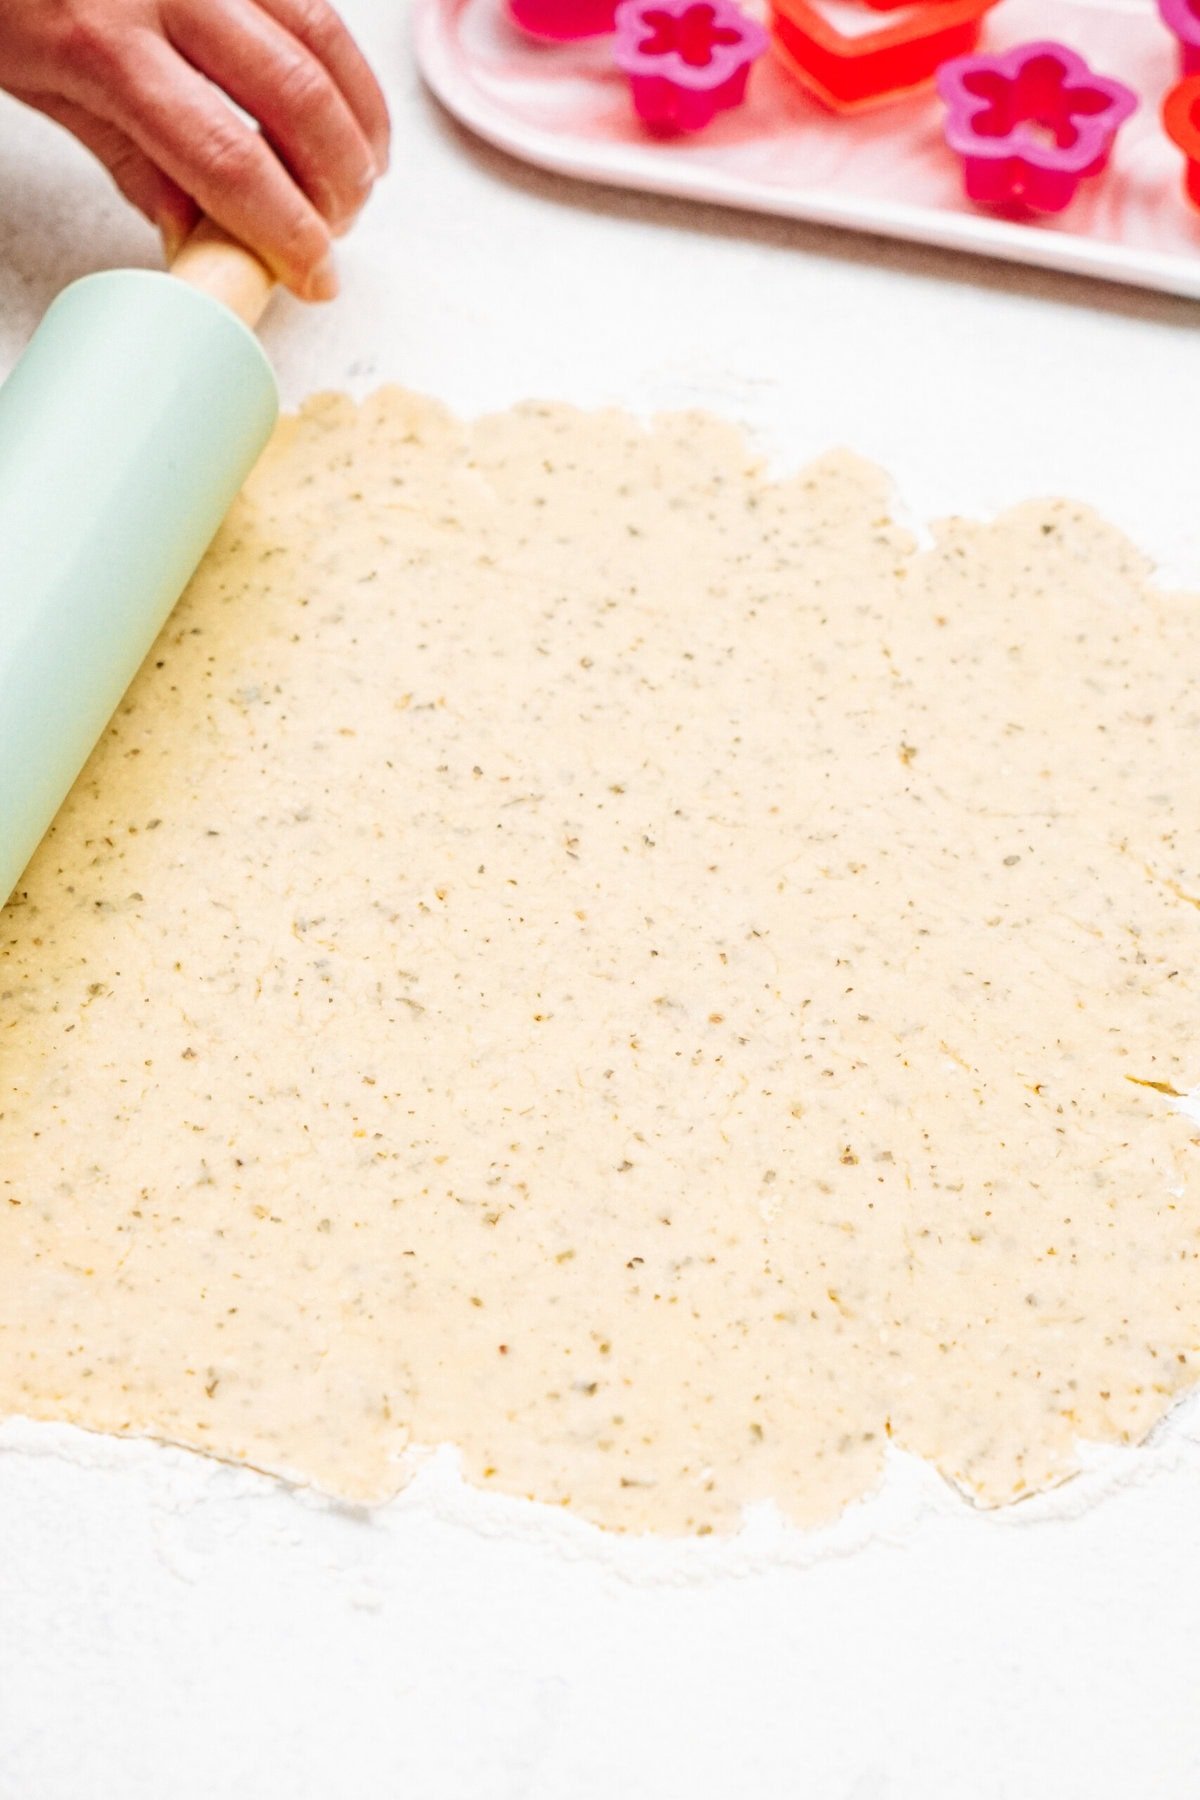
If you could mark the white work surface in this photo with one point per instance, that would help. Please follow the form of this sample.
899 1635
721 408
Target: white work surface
171 1629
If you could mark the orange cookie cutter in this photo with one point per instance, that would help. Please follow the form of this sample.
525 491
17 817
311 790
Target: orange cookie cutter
1181 117
850 71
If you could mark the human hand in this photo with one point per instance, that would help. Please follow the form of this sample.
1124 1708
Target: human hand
145 85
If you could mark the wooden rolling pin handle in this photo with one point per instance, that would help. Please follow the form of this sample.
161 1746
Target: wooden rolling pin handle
218 265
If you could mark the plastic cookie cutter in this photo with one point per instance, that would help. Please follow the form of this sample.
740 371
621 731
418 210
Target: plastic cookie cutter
1182 19
564 21
1181 116
686 60
1030 125
850 57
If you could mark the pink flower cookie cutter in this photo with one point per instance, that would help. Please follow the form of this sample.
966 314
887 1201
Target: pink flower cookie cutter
686 60
563 21
1182 19
1030 124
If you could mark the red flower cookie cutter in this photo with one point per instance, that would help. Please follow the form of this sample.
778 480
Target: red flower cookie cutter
686 60
564 21
884 60
1030 125
1182 19
1181 116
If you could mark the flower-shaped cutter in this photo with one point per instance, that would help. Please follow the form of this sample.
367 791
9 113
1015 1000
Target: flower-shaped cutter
563 21
1030 124
1182 19
686 60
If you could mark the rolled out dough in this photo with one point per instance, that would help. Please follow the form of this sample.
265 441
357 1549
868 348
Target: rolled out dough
575 950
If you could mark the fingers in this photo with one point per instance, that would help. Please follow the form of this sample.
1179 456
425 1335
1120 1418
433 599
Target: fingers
314 24
162 201
149 91
276 79
183 125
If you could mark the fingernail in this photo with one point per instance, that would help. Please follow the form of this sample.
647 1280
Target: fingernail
342 223
323 283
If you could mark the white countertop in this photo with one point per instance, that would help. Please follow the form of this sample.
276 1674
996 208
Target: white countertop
171 1629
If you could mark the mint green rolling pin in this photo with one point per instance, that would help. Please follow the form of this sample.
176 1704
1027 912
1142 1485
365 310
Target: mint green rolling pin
140 406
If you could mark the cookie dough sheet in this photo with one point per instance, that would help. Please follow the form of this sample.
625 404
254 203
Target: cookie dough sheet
577 950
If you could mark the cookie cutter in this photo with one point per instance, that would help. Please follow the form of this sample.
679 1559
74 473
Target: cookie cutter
848 70
1182 20
1030 124
686 60
563 21
1181 117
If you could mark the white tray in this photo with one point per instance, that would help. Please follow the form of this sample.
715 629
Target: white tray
566 108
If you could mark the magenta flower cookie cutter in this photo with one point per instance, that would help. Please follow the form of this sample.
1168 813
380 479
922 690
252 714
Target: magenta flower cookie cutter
1030 124
1182 19
686 60
563 21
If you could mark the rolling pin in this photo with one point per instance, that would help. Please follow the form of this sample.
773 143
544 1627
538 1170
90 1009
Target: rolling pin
135 414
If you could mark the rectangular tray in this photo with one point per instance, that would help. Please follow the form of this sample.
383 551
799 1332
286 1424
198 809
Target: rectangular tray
566 108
